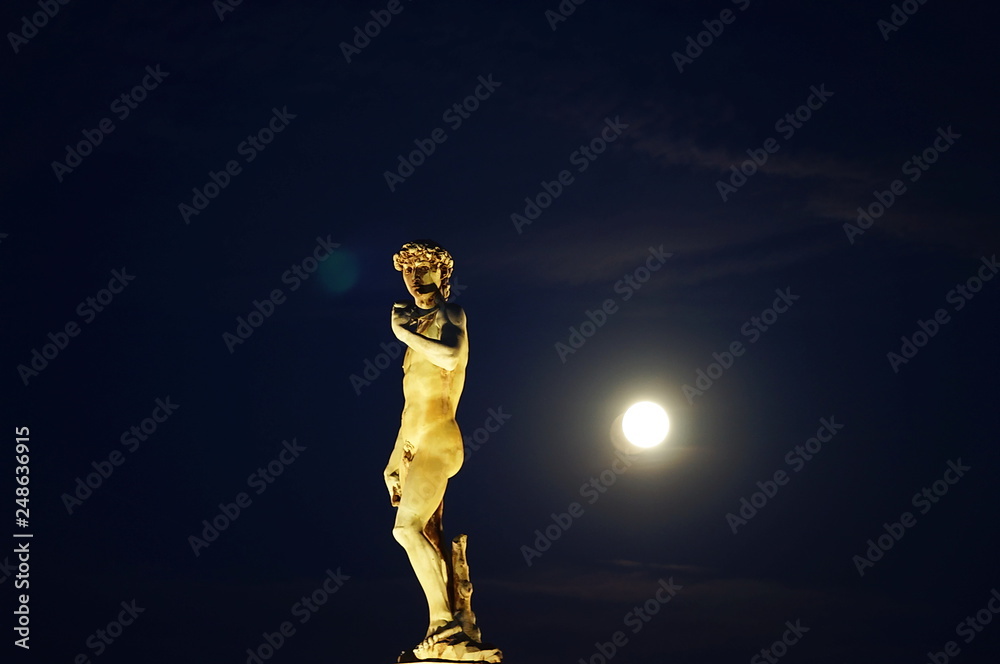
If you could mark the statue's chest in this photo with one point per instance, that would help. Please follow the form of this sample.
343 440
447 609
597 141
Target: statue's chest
430 327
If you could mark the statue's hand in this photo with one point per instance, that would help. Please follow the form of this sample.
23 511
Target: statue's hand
399 316
395 491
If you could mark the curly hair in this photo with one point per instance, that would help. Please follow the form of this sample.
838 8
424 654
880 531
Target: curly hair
432 252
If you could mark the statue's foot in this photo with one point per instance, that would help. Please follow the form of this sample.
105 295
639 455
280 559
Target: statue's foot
450 644
438 638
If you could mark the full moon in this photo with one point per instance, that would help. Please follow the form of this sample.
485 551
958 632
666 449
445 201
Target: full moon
645 424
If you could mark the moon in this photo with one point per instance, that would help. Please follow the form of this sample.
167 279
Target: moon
645 424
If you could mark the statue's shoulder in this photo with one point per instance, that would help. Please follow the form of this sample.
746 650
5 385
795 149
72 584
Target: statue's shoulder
455 314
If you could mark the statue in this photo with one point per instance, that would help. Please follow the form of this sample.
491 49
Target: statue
429 451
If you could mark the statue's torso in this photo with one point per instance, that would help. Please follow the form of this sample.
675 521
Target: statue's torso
431 394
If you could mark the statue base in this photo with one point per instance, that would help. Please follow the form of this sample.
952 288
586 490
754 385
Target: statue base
489 655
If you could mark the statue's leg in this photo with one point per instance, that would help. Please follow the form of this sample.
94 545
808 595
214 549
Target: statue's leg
426 480
434 532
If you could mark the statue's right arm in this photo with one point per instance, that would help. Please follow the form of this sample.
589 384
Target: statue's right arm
450 350
394 459
391 472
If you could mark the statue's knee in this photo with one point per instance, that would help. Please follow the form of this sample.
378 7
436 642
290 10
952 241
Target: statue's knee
403 534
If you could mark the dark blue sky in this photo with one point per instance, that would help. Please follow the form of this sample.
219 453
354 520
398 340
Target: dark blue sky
699 193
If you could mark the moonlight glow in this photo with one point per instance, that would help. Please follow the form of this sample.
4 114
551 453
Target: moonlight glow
645 424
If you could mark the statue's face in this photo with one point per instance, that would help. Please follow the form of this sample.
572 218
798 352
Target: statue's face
422 279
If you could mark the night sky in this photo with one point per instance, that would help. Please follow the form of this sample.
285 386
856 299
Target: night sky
777 220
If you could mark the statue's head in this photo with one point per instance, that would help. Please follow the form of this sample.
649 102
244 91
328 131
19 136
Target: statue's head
422 263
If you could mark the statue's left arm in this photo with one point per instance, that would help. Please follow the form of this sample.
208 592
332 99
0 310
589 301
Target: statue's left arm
447 352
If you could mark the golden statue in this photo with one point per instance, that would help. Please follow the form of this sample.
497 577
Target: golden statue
429 451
